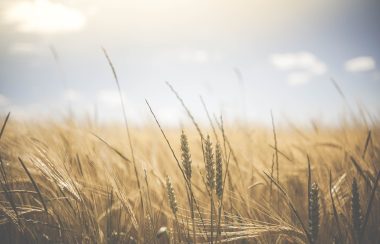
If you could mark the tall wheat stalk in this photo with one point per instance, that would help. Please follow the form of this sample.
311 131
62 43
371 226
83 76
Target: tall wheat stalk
219 184
179 166
210 179
172 203
356 212
127 128
186 164
314 213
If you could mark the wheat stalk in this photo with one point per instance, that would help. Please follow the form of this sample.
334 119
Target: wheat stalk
185 156
186 163
313 213
219 171
171 196
210 177
219 183
4 124
356 211
210 165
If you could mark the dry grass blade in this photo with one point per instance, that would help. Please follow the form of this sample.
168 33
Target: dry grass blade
361 171
126 126
7 190
281 153
4 124
290 204
12 218
112 148
308 177
337 87
276 156
187 110
34 184
166 139
275 147
334 210
373 192
368 139
111 65
341 93
209 118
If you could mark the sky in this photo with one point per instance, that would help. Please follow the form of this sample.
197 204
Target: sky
245 58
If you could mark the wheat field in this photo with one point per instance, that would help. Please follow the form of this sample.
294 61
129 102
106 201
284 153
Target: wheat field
189 121
82 182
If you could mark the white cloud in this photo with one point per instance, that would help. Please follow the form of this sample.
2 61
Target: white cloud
71 95
298 78
43 16
4 101
360 64
299 61
303 66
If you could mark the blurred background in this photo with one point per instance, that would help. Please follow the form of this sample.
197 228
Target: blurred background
245 58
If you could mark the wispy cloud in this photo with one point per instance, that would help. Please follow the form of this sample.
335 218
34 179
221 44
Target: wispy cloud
301 65
43 16
299 61
360 64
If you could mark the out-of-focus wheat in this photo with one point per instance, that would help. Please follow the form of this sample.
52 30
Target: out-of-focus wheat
78 187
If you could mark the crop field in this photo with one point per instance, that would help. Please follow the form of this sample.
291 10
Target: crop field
71 182
189 122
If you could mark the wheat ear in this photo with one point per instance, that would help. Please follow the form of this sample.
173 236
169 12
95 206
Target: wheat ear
186 163
313 213
356 210
210 178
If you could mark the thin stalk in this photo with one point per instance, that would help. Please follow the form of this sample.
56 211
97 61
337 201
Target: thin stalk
34 184
369 207
291 205
276 157
212 221
127 127
4 124
178 164
335 211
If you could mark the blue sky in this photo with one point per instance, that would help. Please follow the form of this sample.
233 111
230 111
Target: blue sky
285 51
